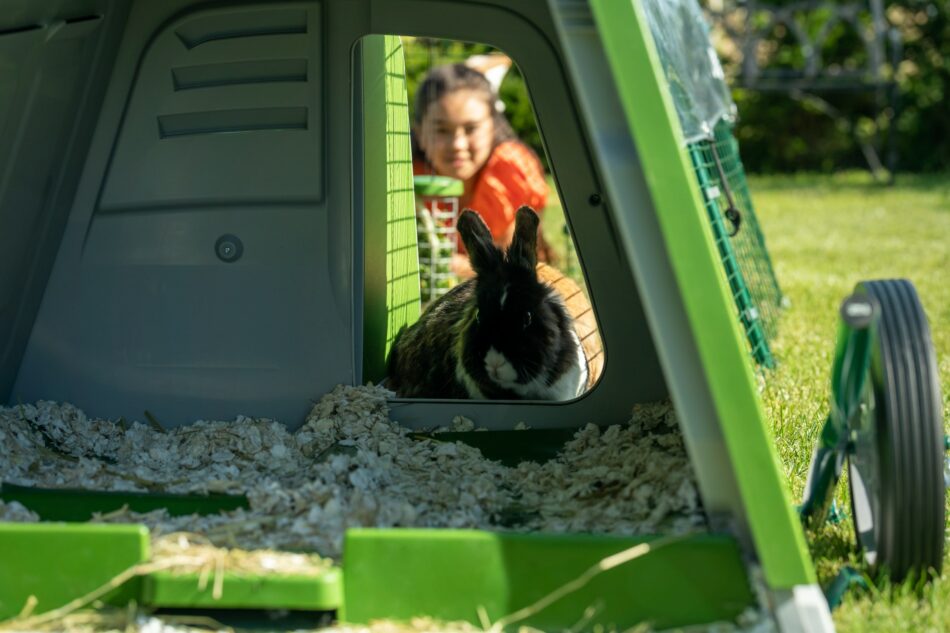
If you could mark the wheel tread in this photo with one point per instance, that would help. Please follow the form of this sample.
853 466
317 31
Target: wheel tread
911 525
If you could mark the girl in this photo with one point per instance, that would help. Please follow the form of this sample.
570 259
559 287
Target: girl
460 132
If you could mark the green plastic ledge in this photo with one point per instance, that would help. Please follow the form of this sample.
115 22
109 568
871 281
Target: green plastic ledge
238 591
59 562
449 574
66 504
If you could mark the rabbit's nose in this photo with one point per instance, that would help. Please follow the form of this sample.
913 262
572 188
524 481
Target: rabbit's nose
493 363
497 366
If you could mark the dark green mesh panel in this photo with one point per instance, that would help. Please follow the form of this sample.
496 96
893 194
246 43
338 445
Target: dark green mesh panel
750 241
744 255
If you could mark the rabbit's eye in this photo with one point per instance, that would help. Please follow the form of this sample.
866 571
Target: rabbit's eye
527 319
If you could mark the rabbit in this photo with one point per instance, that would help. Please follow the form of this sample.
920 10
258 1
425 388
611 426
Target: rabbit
503 334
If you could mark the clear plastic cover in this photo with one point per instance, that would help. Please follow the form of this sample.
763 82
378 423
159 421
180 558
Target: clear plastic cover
692 68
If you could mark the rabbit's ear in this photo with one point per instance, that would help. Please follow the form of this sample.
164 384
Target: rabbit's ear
524 244
482 252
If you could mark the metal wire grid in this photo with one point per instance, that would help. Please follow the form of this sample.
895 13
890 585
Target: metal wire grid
402 263
436 218
744 255
749 242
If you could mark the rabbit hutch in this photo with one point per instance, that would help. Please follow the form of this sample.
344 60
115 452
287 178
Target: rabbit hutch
207 215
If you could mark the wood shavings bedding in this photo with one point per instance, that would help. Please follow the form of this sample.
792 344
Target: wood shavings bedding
349 465
14 512
199 555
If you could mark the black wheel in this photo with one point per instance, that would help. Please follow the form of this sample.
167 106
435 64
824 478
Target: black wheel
896 464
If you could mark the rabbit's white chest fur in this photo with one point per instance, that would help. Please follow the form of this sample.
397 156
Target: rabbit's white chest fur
568 386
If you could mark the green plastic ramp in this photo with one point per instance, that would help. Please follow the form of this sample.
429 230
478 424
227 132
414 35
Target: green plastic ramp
454 574
245 591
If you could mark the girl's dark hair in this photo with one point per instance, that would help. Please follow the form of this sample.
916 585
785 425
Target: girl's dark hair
443 80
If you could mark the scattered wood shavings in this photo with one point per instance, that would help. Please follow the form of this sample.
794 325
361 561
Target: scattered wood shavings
199 555
14 512
349 465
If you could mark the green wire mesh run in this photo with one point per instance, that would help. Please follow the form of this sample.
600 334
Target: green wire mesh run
745 258
402 255
750 241
390 252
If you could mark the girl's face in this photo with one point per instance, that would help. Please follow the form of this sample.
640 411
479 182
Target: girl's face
457 133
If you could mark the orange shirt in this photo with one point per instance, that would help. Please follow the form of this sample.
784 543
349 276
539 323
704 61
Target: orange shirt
511 177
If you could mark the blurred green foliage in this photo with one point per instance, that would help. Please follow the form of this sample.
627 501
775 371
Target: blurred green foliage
779 133
923 128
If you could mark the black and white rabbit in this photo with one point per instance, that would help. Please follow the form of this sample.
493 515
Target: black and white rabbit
501 335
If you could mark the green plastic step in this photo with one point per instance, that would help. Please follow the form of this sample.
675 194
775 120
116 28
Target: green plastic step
451 574
63 504
58 563
240 591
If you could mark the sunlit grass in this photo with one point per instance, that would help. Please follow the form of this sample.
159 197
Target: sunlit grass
554 228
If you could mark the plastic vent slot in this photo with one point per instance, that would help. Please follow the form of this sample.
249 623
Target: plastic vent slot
221 121
245 24
235 73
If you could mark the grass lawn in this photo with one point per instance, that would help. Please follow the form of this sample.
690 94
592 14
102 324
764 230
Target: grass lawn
824 235
555 232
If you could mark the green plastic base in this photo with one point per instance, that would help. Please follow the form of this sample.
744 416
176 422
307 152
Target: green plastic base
304 593
62 504
450 574
58 563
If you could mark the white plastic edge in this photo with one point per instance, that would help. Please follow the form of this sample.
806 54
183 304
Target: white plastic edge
804 609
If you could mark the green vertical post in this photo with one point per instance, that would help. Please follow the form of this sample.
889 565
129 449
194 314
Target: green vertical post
776 534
